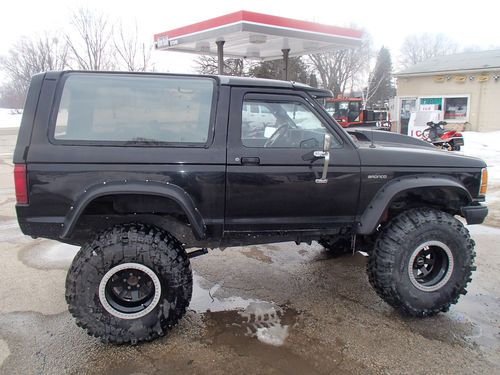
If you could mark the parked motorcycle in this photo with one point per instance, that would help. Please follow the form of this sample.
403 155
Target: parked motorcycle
450 140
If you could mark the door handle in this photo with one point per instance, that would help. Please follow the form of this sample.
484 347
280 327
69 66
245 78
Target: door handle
324 179
250 161
326 155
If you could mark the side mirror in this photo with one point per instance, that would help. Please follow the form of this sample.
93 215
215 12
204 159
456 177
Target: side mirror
328 142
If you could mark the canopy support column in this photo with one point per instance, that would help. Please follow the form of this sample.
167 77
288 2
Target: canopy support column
220 55
286 52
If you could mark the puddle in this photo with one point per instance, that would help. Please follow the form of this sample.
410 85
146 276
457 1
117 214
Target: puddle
268 322
480 310
48 255
473 323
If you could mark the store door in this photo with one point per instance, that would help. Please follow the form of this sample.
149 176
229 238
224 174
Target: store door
407 107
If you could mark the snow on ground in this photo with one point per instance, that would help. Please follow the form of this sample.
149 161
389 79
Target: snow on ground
487 147
10 118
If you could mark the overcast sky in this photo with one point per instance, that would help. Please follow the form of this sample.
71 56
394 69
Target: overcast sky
467 22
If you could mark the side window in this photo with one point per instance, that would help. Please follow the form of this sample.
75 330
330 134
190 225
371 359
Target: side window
118 108
282 124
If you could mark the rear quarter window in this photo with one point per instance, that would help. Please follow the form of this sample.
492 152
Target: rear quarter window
134 109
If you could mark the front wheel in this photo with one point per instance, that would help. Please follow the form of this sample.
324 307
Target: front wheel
422 262
131 284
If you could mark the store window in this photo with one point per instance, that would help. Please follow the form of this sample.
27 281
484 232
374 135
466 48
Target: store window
452 108
456 108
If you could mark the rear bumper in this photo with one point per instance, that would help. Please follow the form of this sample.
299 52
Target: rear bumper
474 214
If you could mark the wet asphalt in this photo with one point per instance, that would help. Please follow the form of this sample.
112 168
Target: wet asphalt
273 309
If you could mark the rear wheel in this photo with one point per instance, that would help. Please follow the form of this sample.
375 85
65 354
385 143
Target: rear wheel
422 262
131 284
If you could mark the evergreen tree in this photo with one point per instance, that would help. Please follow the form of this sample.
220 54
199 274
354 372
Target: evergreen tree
297 70
313 81
381 87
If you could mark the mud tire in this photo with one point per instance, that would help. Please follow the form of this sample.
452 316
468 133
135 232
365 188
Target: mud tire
388 268
138 244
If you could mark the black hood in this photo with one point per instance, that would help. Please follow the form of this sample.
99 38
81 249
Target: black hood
389 148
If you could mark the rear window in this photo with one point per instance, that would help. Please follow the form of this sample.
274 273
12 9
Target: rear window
135 109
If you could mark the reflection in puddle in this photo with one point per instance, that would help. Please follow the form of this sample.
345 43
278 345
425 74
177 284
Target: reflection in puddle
263 321
254 318
204 299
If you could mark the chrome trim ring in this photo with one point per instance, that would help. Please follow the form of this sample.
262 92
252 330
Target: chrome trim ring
444 279
136 266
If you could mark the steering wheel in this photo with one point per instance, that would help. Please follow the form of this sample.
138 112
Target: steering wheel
279 133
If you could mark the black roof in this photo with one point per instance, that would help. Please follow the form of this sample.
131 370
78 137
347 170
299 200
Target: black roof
262 82
223 80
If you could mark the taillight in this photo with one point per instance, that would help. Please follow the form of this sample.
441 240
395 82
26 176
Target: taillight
484 182
21 183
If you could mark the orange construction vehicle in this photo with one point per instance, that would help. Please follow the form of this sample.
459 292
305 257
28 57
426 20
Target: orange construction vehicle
349 112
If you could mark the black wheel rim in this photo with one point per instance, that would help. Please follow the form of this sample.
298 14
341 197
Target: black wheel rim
130 291
430 266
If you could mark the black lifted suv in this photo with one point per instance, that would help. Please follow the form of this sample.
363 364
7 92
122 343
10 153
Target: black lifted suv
135 168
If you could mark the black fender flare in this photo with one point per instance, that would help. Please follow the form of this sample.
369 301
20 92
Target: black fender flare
162 189
372 215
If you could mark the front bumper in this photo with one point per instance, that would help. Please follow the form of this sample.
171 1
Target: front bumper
474 214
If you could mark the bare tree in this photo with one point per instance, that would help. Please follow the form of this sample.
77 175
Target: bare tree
420 47
130 52
28 57
207 64
343 69
89 40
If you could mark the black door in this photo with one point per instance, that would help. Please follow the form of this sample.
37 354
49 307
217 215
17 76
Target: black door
272 175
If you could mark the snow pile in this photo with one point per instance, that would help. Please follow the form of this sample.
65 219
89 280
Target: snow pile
10 118
487 147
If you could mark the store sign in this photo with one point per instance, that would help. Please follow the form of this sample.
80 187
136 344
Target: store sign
429 107
418 122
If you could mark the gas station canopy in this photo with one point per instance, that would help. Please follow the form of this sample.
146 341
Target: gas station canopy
257 36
